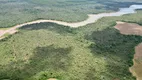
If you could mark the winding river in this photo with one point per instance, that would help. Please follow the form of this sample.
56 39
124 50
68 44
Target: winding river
92 17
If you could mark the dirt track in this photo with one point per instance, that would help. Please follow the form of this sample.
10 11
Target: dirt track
133 29
52 79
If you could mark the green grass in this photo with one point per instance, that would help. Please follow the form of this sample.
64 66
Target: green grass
13 12
46 50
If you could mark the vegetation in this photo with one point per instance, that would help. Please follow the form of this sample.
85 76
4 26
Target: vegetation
46 50
13 12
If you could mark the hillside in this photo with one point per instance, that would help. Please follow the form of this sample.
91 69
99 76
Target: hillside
54 50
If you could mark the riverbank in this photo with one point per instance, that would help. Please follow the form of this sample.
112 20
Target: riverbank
92 18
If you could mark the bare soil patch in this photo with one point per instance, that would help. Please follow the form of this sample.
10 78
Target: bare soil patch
136 69
129 28
133 29
52 79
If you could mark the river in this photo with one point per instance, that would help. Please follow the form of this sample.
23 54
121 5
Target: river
92 18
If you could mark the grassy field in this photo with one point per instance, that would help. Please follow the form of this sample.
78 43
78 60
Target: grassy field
46 50
13 12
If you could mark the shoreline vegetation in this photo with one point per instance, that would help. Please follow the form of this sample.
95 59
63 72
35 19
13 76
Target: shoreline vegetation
91 19
15 12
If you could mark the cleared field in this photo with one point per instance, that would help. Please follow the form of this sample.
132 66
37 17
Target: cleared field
129 28
136 69
133 29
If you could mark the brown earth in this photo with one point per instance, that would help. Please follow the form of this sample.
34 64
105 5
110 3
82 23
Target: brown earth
129 28
52 79
133 29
